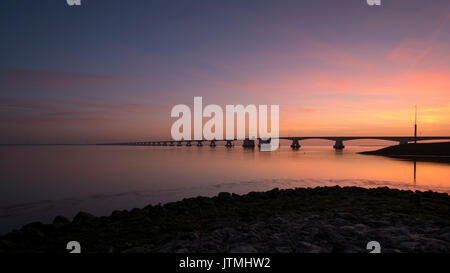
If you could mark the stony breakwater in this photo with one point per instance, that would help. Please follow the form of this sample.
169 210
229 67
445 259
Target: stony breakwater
322 219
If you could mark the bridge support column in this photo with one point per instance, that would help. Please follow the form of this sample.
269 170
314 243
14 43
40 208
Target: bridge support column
295 144
248 143
212 143
188 143
339 145
263 141
199 143
229 144
179 143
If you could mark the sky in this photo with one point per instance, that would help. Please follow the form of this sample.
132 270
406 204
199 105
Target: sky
111 70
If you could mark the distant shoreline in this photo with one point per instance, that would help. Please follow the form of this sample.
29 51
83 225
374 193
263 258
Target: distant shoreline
65 144
436 152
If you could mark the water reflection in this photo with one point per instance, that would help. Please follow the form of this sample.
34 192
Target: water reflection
41 182
415 174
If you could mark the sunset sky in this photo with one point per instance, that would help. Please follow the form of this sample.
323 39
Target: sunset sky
112 70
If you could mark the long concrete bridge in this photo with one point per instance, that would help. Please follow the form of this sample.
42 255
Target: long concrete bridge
249 143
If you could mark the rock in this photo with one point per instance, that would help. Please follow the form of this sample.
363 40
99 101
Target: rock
347 229
137 249
305 247
336 238
396 230
243 249
6 244
224 196
445 230
33 225
340 222
182 250
409 246
283 249
34 235
60 221
314 232
83 217
119 213
445 236
194 236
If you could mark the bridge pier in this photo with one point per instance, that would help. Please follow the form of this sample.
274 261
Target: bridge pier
179 143
229 144
339 145
248 143
212 143
199 143
295 144
263 141
188 143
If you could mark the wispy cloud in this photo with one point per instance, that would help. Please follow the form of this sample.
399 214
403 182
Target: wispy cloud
55 79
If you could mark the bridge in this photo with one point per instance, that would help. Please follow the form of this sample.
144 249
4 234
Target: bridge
250 143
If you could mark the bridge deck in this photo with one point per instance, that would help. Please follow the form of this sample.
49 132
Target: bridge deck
340 139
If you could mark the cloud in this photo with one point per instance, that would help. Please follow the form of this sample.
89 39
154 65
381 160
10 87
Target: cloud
54 79
38 110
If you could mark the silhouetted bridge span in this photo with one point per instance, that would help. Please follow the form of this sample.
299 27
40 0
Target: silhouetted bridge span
249 143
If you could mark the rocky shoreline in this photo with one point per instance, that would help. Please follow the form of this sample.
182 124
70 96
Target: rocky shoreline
322 219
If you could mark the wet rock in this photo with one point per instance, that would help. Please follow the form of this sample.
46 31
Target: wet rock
409 246
6 244
83 217
224 196
340 222
137 250
60 221
305 247
283 249
34 225
243 249
445 237
347 229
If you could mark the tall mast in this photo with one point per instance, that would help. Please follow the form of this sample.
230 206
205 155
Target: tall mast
415 127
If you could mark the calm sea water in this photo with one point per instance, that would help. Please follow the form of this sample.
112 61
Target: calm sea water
40 182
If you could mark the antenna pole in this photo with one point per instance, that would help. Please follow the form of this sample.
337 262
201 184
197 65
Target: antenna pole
415 127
